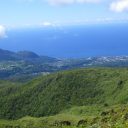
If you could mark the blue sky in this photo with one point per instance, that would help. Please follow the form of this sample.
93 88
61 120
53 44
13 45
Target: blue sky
39 13
46 12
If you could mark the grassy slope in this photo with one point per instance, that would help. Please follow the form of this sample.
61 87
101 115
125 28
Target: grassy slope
116 117
58 92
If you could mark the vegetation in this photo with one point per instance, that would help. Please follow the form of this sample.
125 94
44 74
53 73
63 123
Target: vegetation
89 98
76 117
49 95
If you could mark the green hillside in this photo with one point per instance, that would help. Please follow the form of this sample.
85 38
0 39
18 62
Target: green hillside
51 94
76 117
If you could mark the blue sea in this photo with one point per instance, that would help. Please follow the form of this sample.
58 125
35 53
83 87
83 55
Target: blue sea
70 41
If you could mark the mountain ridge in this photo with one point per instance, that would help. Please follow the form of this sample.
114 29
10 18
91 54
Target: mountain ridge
20 55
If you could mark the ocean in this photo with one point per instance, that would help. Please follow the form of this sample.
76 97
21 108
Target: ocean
70 41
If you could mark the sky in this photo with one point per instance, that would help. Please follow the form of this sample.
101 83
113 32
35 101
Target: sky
24 13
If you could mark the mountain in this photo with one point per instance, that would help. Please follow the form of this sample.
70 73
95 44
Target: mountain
51 94
6 55
27 55
24 65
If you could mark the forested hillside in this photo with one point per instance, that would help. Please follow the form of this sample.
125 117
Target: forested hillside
51 94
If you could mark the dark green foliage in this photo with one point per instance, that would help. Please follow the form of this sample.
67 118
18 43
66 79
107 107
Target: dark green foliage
126 116
82 123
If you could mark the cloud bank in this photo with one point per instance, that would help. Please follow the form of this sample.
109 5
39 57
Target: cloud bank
69 2
115 5
2 32
119 6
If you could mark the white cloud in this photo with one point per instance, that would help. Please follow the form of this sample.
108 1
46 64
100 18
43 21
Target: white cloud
61 2
87 1
2 32
68 2
46 23
119 6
